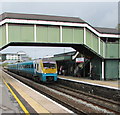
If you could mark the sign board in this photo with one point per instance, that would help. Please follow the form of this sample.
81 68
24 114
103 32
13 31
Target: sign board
79 60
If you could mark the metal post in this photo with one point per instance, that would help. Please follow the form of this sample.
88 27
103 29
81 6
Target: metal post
73 36
103 70
84 66
90 68
60 34
35 33
99 45
6 33
84 35
104 50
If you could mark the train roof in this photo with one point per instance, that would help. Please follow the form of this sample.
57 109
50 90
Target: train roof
12 64
28 62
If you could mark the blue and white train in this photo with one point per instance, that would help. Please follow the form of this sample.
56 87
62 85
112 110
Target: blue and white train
40 70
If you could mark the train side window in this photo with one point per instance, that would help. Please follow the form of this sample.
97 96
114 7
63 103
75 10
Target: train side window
32 66
24 66
35 66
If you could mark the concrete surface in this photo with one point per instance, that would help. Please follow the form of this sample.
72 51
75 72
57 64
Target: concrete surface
7 102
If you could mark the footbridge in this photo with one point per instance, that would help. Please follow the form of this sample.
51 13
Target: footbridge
102 45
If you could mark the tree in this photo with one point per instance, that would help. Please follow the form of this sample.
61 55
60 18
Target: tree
118 27
5 64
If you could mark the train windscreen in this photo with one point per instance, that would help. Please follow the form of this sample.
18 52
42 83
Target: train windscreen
49 65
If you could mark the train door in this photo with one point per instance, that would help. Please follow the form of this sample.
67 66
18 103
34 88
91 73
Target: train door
36 66
40 67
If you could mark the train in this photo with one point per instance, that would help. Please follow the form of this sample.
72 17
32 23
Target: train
39 70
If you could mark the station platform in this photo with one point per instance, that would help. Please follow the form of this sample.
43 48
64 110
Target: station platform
31 100
7 102
110 84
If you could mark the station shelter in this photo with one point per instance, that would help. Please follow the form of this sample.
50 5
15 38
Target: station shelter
74 64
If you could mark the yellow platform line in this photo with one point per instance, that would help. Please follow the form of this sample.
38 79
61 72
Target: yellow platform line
37 107
19 102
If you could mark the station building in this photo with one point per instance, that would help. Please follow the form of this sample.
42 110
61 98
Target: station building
15 57
100 45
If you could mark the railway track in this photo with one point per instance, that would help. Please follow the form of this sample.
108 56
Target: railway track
80 103
103 103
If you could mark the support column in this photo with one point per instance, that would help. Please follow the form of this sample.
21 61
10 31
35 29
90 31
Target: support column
103 70
90 68
99 45
6 28
84 35
73 36
119 70
35 33
104 50
61 34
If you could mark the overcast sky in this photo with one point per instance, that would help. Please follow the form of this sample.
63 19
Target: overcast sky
97 14
103 14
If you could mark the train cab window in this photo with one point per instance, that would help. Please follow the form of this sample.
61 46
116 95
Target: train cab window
49 65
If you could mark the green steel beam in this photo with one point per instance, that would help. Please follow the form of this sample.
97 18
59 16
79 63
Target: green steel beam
57 34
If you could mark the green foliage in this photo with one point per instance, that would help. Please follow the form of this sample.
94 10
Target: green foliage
4 64
118 27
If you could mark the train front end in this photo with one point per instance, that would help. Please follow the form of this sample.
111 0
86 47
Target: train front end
49 69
